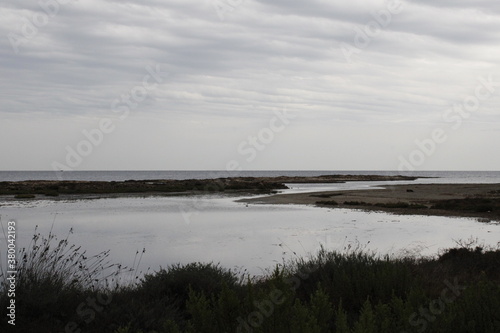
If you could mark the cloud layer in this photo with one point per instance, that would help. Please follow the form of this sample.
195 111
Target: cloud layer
365 81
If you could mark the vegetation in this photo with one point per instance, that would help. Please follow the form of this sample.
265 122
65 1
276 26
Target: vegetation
356 203
325 195
400 205
477 205
24 196
56 188
60 288
327 203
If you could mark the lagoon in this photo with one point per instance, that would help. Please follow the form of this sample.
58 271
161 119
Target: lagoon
247 238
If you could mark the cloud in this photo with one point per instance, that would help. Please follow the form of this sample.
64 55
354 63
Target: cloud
262 57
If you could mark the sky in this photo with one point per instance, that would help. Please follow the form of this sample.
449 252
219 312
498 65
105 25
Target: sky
249 85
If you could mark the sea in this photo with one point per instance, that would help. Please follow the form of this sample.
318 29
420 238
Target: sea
438 176
217 228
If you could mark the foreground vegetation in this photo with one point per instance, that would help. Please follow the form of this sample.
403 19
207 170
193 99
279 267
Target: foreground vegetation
61 289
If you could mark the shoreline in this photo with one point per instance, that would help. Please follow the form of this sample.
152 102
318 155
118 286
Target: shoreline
49 188
481 201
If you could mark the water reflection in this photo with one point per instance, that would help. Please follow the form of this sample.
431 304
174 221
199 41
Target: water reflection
211 228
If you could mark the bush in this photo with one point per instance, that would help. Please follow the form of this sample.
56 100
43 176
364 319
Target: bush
346 292
175 282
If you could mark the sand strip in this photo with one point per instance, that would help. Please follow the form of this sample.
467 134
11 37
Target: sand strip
467 200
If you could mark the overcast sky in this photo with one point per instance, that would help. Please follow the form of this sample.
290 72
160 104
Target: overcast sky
250 84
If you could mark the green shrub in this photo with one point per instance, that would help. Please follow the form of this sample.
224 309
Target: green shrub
175 282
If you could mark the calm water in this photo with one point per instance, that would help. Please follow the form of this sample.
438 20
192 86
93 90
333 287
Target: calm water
212 228
218 229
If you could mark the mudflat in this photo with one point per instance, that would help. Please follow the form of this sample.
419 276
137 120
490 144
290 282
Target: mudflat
467 200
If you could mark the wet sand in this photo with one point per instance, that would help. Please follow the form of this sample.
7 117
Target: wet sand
466 200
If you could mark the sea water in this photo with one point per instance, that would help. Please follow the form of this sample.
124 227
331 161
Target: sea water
444 176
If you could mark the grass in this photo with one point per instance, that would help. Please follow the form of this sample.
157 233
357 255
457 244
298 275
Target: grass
348 292
53 275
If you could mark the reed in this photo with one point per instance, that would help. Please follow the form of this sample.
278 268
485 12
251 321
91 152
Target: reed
347 292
